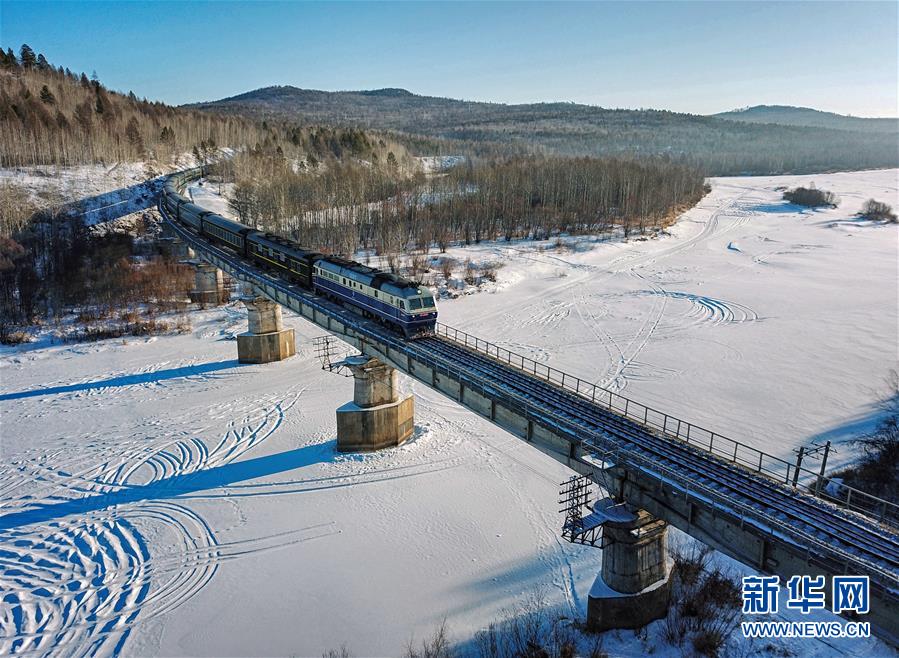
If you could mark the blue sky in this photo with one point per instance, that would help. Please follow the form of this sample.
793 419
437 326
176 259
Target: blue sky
700 57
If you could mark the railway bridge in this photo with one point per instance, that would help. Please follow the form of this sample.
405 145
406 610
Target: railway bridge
656 470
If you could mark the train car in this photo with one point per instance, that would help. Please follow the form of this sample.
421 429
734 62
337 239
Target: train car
187 212
391 299
282 255
225 231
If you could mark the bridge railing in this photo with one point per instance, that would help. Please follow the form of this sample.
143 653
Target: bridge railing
745 510
669 426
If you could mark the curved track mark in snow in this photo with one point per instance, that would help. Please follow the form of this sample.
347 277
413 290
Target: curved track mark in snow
81 582
709 309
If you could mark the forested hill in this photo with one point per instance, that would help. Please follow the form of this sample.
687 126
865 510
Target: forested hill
50 115
788 115
721 146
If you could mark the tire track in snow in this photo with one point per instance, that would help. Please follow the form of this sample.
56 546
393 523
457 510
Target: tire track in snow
708 310
82 583
616 376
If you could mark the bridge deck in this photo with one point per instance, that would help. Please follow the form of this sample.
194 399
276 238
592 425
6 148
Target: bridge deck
841 541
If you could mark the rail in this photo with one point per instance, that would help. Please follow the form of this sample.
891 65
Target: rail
577 430
670 426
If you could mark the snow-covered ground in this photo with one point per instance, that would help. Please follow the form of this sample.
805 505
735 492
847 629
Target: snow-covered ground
96 193
212 195
160 499
769 323
435 164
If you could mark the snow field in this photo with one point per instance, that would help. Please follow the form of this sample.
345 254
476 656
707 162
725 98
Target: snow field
161 499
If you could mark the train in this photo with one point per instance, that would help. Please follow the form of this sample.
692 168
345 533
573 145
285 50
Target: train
396 302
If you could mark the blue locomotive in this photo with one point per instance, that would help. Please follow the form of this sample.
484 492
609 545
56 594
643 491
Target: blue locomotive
391 300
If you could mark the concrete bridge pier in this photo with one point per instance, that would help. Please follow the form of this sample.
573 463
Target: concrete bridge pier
267 340
634 584
209 287
172 247
377 417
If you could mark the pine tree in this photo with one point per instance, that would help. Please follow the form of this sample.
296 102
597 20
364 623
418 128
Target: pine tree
84 81
47 96
42 63
27 57
132 132
11 61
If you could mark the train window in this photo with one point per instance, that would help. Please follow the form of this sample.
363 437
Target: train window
415 303
402 305
427 301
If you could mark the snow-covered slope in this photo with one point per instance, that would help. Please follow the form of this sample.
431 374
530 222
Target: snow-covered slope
160 499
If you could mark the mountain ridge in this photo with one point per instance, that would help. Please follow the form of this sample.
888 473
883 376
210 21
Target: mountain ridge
722 145
793 115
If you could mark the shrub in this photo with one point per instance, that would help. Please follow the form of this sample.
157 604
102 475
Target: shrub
489 271
437 646
15 337
707 603
446 267
470 276
877 470
878 211
811 197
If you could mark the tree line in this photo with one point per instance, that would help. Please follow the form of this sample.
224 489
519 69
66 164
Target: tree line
52 115
719 146
352 206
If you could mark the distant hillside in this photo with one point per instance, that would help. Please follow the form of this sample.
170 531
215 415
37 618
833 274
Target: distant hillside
51 115
721 146
787 115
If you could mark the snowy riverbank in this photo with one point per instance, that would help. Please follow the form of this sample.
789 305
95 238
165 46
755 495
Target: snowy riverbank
177 503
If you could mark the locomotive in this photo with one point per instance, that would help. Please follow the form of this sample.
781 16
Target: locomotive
392 300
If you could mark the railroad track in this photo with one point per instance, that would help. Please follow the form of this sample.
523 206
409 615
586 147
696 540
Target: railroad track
843 541
851 537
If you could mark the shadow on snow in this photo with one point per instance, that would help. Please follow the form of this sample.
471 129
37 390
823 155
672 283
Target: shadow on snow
115 204
127 380
174 486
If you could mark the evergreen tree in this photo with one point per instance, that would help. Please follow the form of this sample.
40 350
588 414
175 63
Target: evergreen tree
42 63
132 132
47 96
11 61
84 81
27 57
